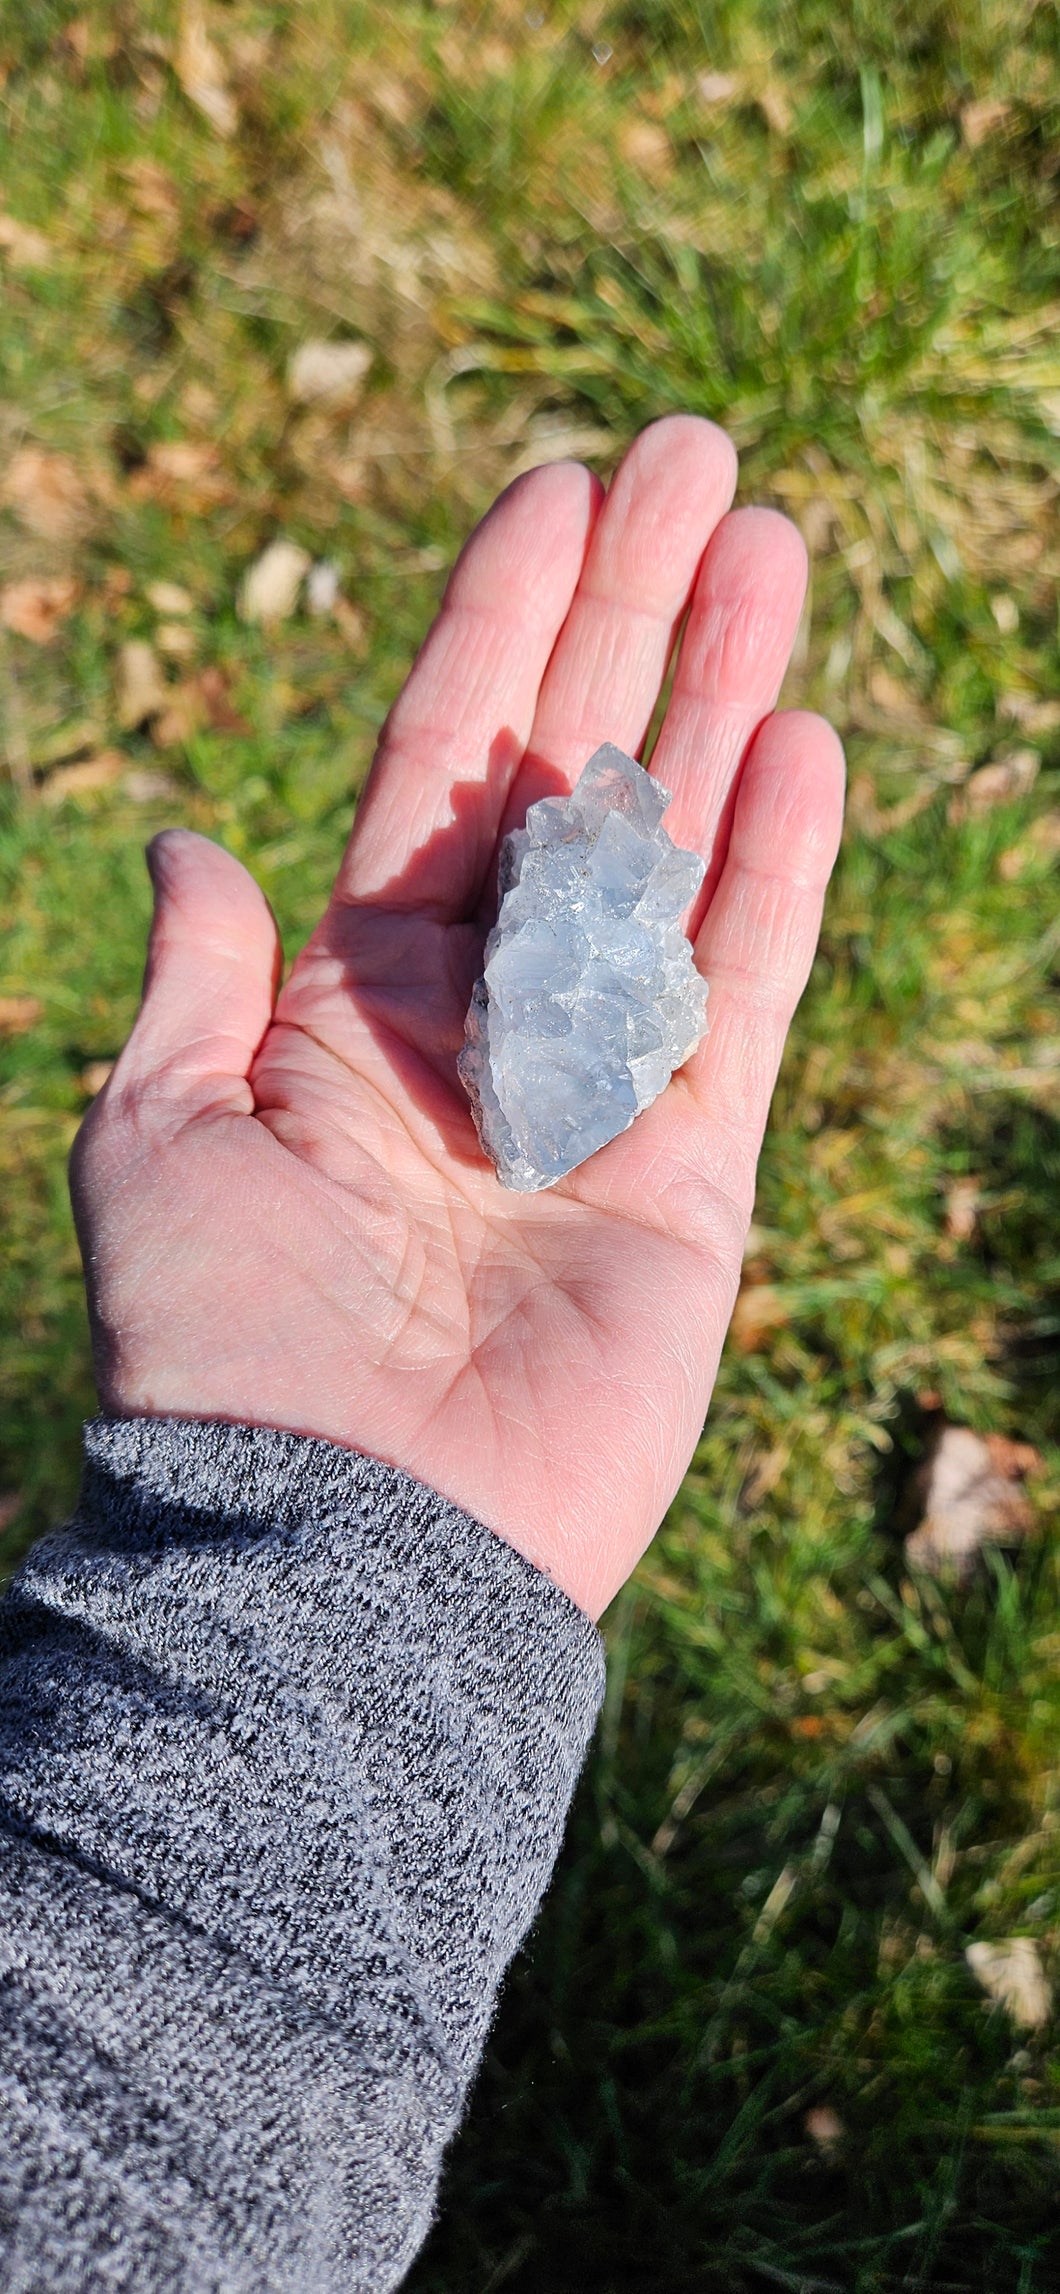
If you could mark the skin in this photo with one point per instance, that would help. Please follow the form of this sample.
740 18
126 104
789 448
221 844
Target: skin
283 1209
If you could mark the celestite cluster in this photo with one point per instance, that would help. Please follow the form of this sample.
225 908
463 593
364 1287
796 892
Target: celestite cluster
590 998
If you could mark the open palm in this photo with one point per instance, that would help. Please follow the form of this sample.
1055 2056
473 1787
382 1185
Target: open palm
285 1215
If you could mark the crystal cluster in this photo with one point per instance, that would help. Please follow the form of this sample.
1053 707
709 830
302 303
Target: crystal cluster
590 998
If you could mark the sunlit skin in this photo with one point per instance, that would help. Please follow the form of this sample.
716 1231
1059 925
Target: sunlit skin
284 1212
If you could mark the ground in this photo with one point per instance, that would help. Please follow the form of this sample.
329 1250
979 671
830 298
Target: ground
745 2048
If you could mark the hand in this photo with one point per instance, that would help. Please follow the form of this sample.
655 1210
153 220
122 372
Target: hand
283 1209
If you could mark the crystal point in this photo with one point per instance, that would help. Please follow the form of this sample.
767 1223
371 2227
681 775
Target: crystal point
589 997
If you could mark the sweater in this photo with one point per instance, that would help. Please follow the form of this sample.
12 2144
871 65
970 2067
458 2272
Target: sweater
287 1743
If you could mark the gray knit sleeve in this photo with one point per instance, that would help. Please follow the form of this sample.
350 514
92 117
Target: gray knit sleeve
286 1748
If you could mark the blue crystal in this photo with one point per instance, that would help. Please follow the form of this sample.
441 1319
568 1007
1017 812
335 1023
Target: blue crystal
589 997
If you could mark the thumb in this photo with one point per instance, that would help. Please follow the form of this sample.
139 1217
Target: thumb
213 963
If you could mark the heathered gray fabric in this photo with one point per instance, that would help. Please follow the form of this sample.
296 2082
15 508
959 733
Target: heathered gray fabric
286 1748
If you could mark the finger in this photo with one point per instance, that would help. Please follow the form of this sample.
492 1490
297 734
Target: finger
210 984
428 820
757 943
734 652
603 681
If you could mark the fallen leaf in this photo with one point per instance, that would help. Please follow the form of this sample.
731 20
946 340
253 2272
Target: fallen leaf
117 583
145 787
182 473
99 772
154 190
759 1309
824 2127
93 1077
236 220
18 1013
269 589
221 715
168 597
25 248
717 87
10 1508
176 640
35 607
200 69
142 690
962 1209
1041 843
896 699
328 373
1011 1973
1024 709
983 118
647 146
351 623
183 714
46 494
969 1491
197 701
322 586
874 820
774 103
1011 776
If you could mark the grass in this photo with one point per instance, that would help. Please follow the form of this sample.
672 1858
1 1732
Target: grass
818 1778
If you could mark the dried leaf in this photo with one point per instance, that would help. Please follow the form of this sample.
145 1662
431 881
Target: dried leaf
168 597
322 586
1041 844
647 147
351 623
896 699
183 714
25 248
717 87
34 608
117 583
824 2127
328 373
46 494
176 640
1011 776
98 772
221 715
1011 1973
1006 613
154 190
774 103
93 1077
983 118
962 1209
197 701
10 1508
145 787
141 685
19 1013
1033 715
970 1494
200 69
183 473
759 1309
269 589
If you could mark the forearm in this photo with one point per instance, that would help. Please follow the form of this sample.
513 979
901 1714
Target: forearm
287 1746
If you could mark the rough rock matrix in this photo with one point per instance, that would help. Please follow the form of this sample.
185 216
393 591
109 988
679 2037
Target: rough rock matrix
589 998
